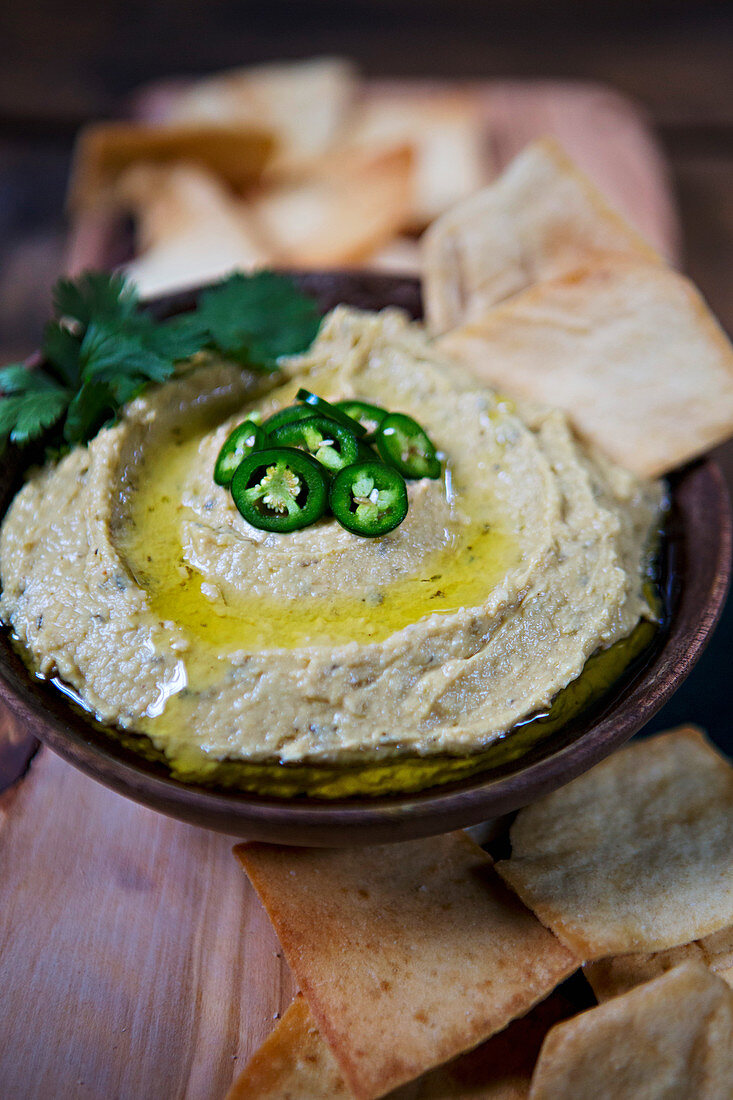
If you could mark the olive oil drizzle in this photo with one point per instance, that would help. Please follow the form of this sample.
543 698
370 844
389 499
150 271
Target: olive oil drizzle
457 576
408 774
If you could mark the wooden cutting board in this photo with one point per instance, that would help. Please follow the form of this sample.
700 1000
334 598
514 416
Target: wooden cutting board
135 959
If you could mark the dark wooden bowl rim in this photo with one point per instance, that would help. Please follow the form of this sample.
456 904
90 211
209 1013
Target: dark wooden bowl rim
698 567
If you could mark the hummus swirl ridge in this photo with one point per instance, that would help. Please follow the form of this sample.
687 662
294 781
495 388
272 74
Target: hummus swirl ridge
131 576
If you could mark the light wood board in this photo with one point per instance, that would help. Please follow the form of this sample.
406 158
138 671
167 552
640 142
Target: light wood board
135 959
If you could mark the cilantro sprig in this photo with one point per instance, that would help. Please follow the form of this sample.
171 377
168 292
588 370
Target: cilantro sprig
257 318
102 349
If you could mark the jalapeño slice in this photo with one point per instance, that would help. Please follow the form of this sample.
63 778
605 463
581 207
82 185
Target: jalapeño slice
369 416
369 499
245 438
402 443
324 408
287 416
280 489
330 443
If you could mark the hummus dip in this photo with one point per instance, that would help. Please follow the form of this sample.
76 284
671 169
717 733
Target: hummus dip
129 575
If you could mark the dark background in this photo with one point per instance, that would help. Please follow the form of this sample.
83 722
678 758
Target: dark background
63 64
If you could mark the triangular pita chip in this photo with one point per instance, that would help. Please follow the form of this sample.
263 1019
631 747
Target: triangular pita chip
542 218
447 134
669 1038
189 228
235 154
628 350
635 855
717 950
400 256
341 213
295 1063
619 974
408 954
305 103
499 1069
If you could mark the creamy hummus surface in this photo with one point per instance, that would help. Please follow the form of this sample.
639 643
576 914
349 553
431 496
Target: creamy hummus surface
129 575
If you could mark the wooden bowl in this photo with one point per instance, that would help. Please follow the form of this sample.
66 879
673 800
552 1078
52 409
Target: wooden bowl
695 569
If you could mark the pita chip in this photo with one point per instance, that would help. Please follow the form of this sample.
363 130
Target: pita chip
628 350
408 954
540 219
717 950
447 134
189 228
305 103
401 256
619 974
295 1063
634 856
672 1037
341 213
499 1069
237 155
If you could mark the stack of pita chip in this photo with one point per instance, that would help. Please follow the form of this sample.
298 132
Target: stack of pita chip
427 971
296 164
534 282
540 289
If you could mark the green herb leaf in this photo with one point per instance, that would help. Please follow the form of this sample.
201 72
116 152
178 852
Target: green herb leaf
60 348
111 354
176 339
16 378
103 350
95 296
95 405
33 402
255 319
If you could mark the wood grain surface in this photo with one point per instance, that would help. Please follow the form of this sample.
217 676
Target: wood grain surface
135 961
